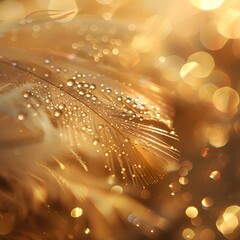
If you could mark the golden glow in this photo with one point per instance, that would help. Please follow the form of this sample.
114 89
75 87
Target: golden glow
11 11
117 189
154 27
188 233
229 220
76 212
229 23
210 37
40 193
113 75
191 212
206 92
111 179
217 135
197 221
215 175
207 234
170 68
128 59
183 180
207 202
226 99
206 4
203 64
105 2
187 68
63 11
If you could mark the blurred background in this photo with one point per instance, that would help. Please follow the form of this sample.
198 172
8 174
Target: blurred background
192 49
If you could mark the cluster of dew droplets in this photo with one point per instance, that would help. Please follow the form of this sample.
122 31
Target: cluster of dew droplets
74 101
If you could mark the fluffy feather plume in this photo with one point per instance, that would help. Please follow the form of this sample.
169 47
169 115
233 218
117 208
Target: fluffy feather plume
65 111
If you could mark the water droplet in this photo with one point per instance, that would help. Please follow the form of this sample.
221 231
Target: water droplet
70 82
57 113
81 92
47 61
108 90
94 98
61 106
21 117
26 94
95 141
14 63
92 86
86 85
87 231
128 100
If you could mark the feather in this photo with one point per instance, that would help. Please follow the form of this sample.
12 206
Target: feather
31 153
90 109
69 108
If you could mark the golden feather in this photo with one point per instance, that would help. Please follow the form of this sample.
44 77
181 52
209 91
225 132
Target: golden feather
70 102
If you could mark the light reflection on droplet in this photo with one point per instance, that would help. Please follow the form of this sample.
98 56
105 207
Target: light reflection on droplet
70 82
95 141
57 113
